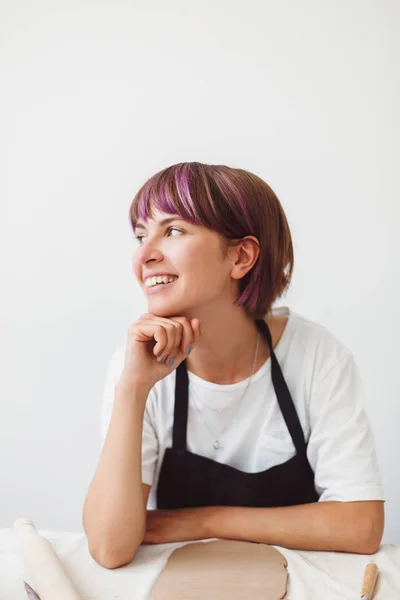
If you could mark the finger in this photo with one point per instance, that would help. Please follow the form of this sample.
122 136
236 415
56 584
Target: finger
175 327
171 352
196 328
160 331
187 338
167 350
160 335
175 341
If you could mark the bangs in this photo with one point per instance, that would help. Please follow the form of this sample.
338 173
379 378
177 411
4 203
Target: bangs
170 191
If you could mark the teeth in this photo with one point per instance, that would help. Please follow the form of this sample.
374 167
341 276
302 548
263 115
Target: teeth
159 279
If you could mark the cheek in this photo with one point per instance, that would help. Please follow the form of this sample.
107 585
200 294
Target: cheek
199 254
195 264
204 273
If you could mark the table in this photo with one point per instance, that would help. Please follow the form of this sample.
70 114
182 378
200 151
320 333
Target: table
312 575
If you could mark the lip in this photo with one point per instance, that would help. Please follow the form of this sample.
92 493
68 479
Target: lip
160 287
159 275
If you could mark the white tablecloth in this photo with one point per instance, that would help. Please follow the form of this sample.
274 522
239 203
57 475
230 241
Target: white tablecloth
312 575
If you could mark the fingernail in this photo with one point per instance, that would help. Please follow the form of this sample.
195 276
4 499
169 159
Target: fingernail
199 328
159 354
162 361
188 349
171 362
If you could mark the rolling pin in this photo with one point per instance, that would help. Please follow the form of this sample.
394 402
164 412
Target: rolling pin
370 577
48 575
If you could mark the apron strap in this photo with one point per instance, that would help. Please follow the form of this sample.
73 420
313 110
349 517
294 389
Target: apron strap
284 398
283 395
181 408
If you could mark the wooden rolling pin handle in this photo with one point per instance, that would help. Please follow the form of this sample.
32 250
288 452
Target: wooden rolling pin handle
370 577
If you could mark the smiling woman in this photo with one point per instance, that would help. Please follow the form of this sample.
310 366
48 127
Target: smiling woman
232 203
253 428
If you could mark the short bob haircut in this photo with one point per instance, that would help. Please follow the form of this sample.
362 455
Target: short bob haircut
235 203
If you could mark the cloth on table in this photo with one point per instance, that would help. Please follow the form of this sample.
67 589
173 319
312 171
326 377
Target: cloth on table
328 575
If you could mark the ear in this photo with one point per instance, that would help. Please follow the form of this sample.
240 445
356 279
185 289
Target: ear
245 255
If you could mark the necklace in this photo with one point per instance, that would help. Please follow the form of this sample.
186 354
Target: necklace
217 444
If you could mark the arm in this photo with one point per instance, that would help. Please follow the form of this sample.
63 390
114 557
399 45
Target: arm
349 516
323 526
114 512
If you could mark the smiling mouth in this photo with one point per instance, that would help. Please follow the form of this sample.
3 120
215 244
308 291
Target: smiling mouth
160 287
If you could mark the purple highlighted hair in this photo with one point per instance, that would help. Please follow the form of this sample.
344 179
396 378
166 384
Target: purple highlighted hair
235 203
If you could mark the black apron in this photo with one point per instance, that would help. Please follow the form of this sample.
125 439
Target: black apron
190 480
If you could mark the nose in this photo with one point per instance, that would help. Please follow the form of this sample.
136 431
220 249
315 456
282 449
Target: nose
147 253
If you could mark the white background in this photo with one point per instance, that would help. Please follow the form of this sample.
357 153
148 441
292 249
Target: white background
98 96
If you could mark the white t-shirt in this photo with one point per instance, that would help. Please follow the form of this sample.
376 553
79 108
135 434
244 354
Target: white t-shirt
328 395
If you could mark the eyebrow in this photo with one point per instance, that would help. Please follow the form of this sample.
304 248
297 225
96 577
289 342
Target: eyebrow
162 222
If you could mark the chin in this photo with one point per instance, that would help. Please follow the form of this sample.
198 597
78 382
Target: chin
165 309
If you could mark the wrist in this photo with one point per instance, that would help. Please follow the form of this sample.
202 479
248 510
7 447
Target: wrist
131 392
132 385
212 521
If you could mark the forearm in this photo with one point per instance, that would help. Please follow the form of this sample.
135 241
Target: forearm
323 526
114 514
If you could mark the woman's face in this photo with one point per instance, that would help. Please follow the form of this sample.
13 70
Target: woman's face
191 252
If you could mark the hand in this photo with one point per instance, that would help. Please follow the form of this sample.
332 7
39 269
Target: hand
151 336
177 525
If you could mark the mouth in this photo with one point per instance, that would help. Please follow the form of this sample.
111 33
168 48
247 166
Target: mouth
160 287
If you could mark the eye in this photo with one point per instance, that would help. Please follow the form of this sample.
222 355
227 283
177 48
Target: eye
140 237
178 230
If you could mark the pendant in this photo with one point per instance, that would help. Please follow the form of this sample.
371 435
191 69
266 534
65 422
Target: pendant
216 445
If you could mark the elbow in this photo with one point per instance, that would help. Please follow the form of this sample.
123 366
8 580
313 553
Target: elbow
112 559
371 528
113 555
110 550
370 546
372 541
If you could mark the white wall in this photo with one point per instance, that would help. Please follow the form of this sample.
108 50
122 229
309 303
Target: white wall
98 96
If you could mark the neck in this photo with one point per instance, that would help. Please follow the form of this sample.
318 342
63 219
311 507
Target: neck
226 349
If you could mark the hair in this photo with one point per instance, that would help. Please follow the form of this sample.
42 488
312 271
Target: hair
235 203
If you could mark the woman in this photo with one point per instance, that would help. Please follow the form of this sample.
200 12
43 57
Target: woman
250 427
